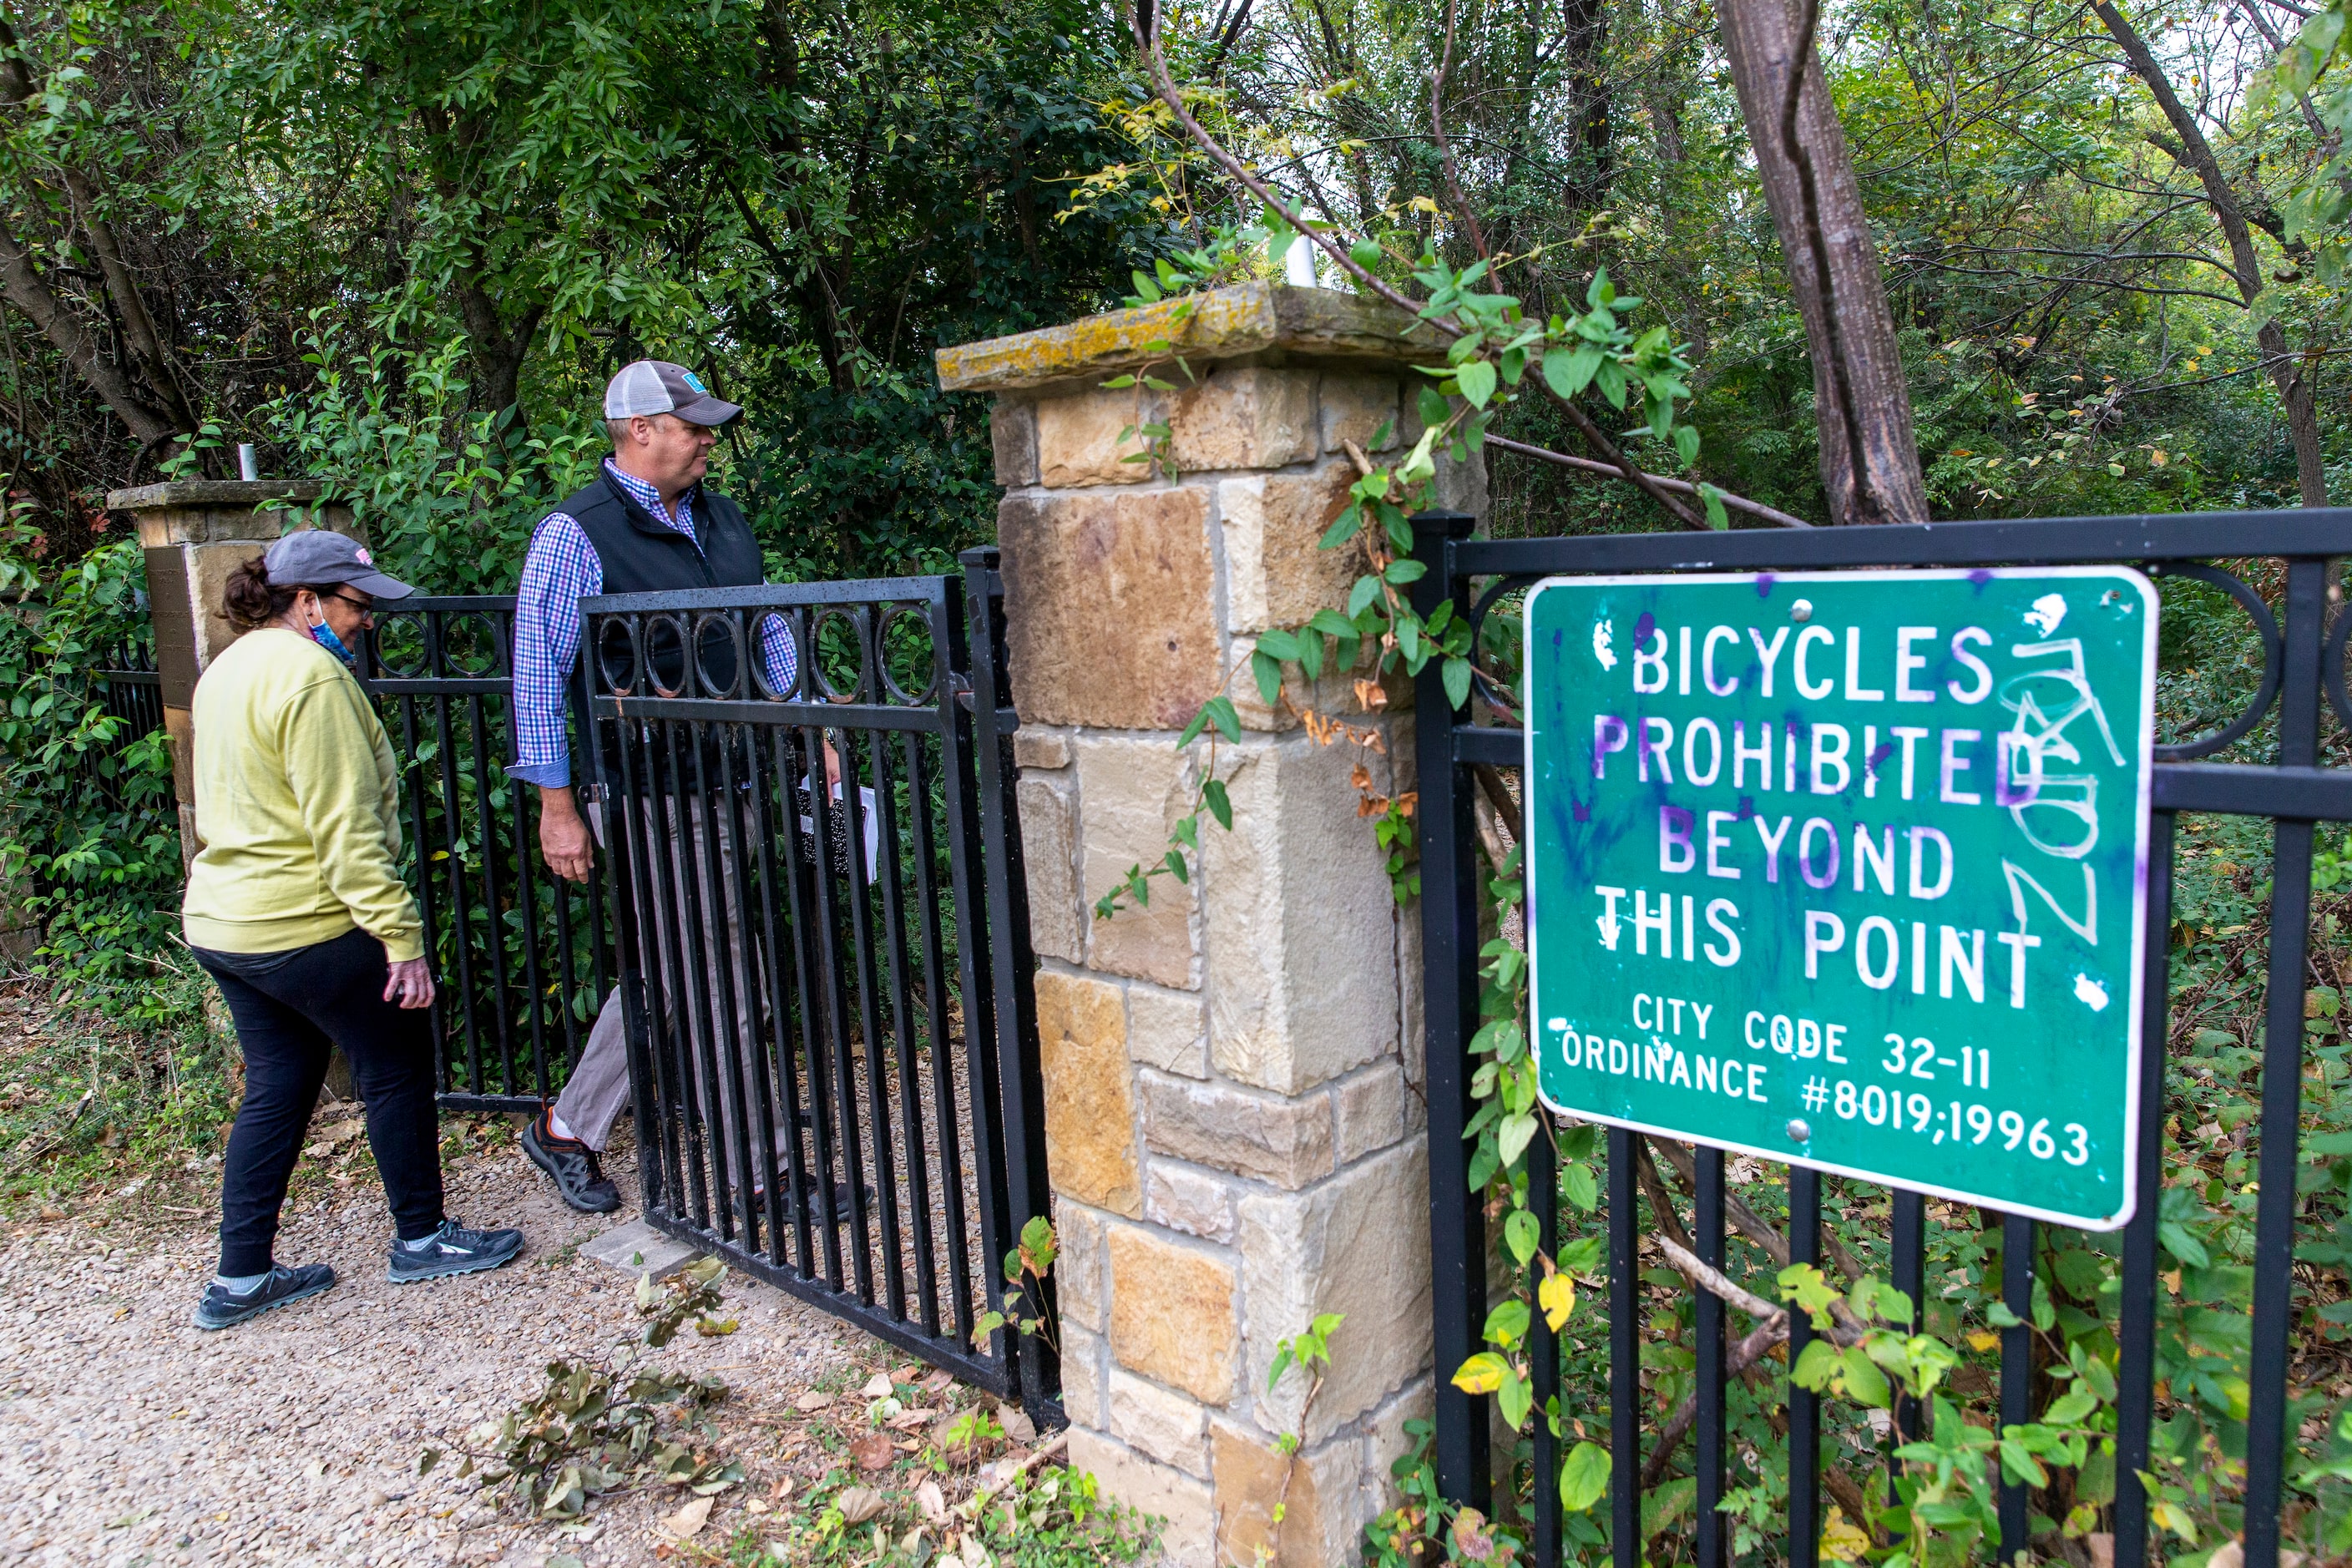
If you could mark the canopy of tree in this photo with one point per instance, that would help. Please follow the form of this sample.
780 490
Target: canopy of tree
2076 257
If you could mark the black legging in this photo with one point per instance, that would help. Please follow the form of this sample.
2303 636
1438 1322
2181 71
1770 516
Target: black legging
288 1006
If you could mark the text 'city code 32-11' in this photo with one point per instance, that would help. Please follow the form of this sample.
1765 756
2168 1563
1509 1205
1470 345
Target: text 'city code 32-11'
1849 869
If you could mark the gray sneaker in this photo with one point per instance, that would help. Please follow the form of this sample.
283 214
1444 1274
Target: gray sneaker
221 1307
454 1249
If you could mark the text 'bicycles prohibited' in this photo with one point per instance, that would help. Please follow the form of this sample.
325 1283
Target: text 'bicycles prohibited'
1849 869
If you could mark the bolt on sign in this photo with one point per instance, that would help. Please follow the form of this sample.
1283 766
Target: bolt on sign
1849 869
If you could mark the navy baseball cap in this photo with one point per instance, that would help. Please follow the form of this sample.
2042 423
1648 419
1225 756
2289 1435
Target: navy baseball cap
656 386
317 557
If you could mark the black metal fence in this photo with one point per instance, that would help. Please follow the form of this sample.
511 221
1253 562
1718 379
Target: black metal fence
814 871
132 691
2303 665
524 958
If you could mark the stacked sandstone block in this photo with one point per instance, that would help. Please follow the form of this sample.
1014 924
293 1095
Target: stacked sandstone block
1234 1108
194 533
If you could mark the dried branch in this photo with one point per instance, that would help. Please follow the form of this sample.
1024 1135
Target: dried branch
1755 1226
1773 1331
1714 1281
1662 1205
1680 487
1445 149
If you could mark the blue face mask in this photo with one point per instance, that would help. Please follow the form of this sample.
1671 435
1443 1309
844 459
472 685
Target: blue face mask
324 635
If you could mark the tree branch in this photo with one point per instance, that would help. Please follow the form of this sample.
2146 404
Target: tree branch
2196 153
1148 42
25 289
1681 486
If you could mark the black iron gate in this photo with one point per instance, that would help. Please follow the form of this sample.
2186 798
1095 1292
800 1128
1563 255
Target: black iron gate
2303 667
832 1045
523 958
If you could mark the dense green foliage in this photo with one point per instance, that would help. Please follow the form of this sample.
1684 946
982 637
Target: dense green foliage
402 246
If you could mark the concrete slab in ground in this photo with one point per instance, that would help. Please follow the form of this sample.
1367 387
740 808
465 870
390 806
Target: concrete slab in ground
639 1249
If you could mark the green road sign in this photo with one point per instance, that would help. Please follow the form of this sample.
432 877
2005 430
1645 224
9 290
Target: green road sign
1849 869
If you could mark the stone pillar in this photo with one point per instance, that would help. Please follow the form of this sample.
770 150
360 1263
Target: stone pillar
194 533
1234 1121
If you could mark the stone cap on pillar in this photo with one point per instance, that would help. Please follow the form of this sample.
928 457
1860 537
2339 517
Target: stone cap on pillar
1269 323
202 511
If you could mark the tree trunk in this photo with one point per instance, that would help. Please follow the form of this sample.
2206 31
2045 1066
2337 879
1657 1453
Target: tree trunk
1870 456
2195 153
1585 34
497 350
29 292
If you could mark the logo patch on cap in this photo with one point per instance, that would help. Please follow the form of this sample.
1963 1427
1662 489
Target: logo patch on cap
695 382
364 558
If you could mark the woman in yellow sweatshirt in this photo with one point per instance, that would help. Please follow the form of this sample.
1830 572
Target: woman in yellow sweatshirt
295 906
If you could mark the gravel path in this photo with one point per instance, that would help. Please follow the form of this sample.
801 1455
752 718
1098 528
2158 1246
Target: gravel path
129 1439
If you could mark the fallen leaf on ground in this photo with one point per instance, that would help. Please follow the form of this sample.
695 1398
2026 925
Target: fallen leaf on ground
908 1372
932 1501
938 1382
907 1420
1016 1423
859 1504
342 1132
783 1488
813 1400
689 1519
877 1387
871 1452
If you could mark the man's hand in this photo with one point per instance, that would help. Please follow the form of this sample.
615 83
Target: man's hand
564 835
410 984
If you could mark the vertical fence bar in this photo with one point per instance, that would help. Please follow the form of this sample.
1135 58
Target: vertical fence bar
2017 1242
2298 734
1907 1270
1010 963
2135 1319
902 1021
739 1072
1804 1408
1543 1351
756 871
939 1048
965 769
1449 913
1706 1217
869 1011
1624 1355
485 835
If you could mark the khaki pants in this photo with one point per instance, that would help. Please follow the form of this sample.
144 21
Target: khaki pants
729 958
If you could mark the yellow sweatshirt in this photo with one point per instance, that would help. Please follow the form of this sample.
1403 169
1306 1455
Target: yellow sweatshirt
298 806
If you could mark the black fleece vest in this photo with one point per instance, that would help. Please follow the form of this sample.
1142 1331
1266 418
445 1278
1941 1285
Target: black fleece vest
640 554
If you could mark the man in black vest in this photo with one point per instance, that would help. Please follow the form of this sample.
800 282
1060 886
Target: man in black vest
645 524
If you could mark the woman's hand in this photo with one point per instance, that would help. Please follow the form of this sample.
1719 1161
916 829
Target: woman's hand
411 984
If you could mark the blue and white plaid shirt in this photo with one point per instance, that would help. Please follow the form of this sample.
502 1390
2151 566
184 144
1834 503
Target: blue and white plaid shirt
560 570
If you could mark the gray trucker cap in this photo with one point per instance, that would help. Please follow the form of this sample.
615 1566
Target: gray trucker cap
316 557
656 386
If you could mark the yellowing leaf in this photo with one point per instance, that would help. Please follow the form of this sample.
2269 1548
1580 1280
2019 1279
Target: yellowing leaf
1841 1541
2175 1520
1982 1341
1482 1374
1557 1296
